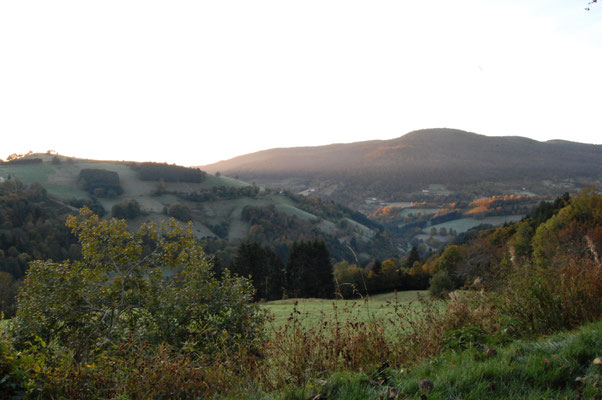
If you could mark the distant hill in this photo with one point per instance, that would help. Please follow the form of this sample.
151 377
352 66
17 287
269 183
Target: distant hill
393 169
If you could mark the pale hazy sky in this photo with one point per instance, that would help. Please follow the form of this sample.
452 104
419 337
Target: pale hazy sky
193 82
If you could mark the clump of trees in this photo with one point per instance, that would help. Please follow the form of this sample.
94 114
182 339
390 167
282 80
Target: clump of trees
392 274
180 212
100 182
150 171
129 209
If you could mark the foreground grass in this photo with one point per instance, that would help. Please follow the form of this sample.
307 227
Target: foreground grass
312 311
556 367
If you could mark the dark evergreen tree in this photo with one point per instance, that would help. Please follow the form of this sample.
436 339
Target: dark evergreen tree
263 267
309 270
412 257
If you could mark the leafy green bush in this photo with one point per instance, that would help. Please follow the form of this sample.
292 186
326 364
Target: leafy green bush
543 300
119 293
441 284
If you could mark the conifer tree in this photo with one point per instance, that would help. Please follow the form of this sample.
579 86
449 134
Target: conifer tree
263 266
309 270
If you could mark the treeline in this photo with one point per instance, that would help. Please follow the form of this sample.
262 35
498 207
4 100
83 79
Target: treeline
309 272
392 274
22 161
219 193
151 171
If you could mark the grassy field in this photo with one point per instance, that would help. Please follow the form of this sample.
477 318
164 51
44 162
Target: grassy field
313 310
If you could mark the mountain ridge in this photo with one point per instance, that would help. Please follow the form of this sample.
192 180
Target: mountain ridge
417 159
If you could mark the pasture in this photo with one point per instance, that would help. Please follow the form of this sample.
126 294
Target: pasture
312 311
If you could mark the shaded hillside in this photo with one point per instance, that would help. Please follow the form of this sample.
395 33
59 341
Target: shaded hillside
390 168
222 210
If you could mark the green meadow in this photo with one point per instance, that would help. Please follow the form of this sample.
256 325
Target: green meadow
311 311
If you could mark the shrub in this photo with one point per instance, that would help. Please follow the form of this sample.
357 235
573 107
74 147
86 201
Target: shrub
543 300
441 284
119 293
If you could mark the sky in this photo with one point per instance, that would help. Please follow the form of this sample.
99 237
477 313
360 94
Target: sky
195 82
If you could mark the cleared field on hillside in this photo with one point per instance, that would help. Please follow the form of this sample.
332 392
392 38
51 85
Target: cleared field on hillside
464 224
313 310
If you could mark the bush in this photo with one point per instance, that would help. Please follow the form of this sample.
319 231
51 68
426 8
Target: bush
441 284
543 300
119 293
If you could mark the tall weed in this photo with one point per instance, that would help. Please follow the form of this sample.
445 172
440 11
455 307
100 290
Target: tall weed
543 300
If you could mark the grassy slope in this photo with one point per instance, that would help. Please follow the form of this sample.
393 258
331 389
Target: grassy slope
61 181
542 369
